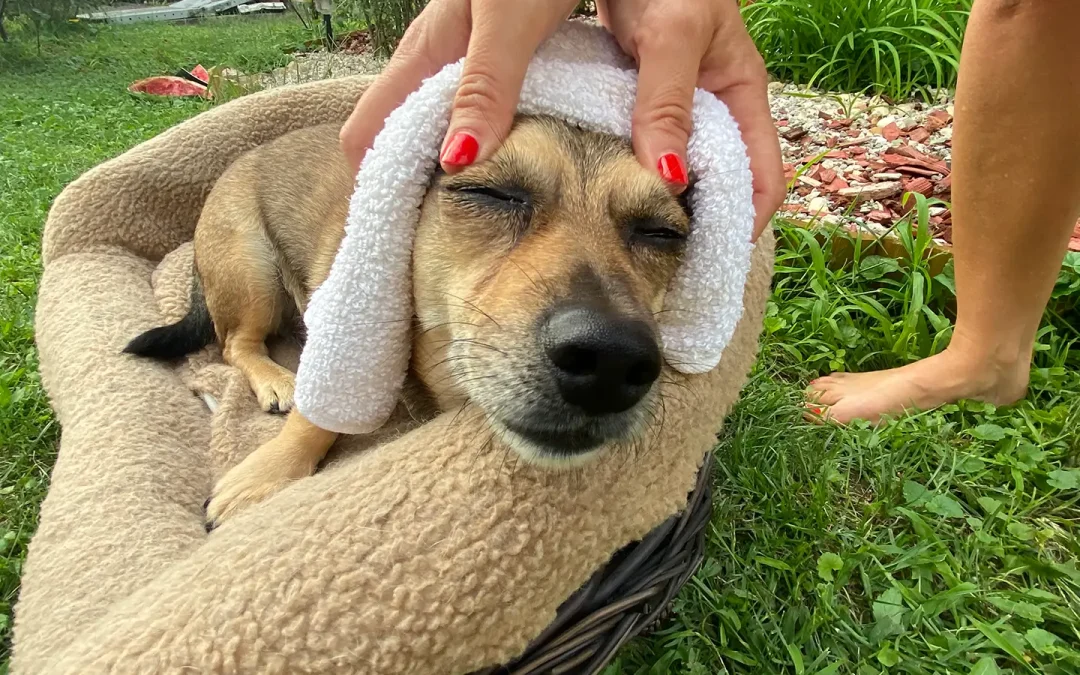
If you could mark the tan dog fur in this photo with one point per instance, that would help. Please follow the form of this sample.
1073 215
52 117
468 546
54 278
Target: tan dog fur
485 270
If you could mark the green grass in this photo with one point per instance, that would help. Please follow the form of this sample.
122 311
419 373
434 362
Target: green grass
62 112
943 543
891 47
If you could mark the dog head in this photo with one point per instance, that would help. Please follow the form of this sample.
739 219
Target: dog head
537 279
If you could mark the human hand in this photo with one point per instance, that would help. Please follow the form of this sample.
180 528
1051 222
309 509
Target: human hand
679 44
497 39
683 44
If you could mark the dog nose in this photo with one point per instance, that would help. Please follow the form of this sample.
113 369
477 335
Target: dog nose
604 363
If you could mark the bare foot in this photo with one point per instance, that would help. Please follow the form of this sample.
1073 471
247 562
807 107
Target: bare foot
935 381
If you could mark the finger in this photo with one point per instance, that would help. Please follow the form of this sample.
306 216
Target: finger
501 45
669 56
416 58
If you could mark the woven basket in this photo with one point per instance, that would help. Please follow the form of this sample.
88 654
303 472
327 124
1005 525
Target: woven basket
625 597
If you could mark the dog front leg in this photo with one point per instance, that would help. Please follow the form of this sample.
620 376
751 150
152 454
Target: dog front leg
291 455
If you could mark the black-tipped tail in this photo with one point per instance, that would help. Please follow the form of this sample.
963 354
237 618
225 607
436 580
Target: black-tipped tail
190 334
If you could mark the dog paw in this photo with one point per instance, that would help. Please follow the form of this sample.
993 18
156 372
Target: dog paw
263 473
276 395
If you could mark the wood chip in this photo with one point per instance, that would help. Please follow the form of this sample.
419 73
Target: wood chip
918 171
897 160
854 141
862 193
793 134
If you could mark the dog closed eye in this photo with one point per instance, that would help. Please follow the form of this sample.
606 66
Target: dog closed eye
656 232
500 197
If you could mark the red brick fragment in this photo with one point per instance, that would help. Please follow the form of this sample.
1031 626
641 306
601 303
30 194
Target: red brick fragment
831 142
890 131
879 216
837 154
921 185
836 185
937 120
826 175
919 135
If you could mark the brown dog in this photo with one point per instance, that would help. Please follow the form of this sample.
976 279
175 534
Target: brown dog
536 279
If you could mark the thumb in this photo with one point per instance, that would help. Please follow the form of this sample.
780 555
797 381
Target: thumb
663 111
501 45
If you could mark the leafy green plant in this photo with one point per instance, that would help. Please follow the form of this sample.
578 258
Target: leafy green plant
386 20
891 47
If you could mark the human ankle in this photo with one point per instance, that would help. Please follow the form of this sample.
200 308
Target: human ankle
998 354
997 375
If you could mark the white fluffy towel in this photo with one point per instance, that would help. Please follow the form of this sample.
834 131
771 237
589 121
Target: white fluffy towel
358 322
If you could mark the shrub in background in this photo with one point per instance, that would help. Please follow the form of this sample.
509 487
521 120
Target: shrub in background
41 14
898 48
386 20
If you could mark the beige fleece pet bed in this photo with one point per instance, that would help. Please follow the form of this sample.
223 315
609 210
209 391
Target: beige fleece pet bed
424 555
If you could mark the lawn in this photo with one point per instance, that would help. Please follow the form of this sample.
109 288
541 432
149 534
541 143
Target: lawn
943 543
62 112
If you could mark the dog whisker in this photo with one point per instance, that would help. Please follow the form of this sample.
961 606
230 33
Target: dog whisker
444 324
473 306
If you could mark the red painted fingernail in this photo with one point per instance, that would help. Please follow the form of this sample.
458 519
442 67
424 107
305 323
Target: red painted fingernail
461 150
814 409
671 168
